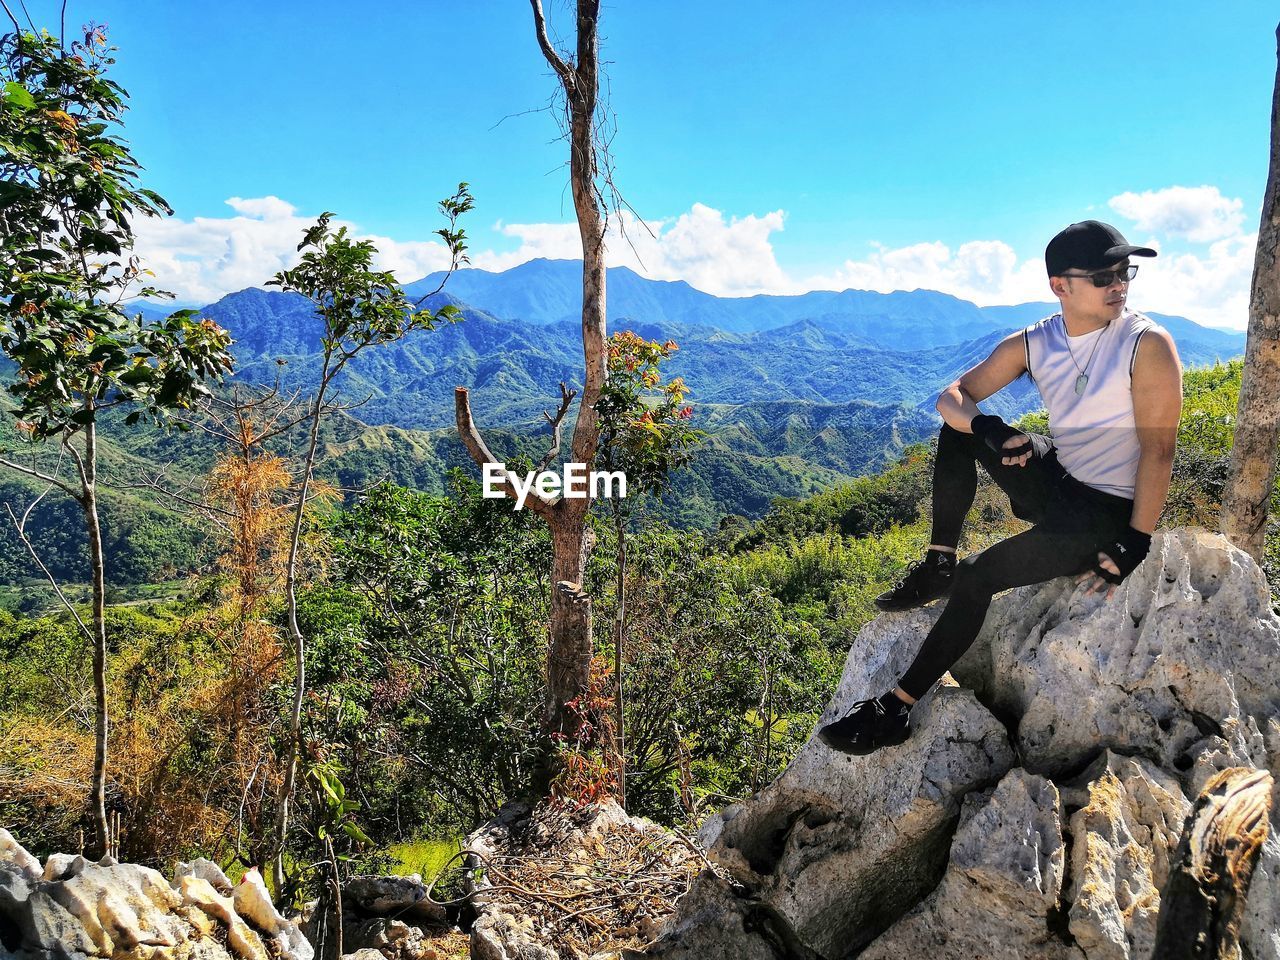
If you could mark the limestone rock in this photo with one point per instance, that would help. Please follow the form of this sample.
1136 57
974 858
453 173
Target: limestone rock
1261 930
205 870
1185 650
1130 818
502 935
13 853
75 907
404 897
1149 693
838 848
1000 897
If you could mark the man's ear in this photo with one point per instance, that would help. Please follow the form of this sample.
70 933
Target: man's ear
1059 286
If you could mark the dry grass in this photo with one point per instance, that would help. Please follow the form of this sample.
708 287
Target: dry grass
589 882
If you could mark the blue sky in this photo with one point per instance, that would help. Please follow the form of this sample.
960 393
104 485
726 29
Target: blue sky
771 147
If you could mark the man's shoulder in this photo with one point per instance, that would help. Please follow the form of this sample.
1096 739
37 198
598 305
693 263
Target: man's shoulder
1152 343
1138 323
1043 325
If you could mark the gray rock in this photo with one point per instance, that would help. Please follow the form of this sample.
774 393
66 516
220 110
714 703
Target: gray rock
835 850
501 935
715 920
402 897
1185 650
1260 933
1000 897
205 870
1123 836
77 908
1150 693
12 852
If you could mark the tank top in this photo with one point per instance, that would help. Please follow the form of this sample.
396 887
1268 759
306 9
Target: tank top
1093 430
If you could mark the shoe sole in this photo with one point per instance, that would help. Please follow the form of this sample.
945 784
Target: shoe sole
891 607
841 746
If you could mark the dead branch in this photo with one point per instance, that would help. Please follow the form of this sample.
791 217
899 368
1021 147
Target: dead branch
480 453
562 69
566 398
45 478
21 527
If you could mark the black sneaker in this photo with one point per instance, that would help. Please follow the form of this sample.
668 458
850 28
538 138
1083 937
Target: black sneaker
925 580
870 725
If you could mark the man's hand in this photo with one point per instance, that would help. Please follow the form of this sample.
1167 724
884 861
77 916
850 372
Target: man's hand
1020 443
1096 582
1116 560
1015 447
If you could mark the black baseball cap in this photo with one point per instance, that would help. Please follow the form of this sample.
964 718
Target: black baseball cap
1089 245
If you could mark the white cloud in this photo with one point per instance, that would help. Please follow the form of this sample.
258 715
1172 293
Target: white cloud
1210 288
732 257
984 271
1195 214
203 259
207 257
263 208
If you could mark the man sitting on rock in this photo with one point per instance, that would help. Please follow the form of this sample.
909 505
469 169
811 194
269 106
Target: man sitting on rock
1112 384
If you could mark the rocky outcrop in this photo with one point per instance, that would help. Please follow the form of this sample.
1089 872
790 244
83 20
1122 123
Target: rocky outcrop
1046 833
1010 852
384 918
76 909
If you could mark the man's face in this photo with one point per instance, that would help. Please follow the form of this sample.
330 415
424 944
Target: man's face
1081 297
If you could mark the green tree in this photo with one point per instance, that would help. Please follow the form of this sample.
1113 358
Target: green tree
68 195
645 433
360 308
456 597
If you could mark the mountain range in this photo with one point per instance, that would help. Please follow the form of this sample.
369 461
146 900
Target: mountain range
520 337
795 393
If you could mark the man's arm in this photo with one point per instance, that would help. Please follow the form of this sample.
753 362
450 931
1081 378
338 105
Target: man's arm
958 403
1157 405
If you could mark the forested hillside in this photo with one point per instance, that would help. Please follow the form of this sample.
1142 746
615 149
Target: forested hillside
425 613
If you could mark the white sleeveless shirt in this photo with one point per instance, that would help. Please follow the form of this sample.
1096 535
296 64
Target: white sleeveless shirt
1093 430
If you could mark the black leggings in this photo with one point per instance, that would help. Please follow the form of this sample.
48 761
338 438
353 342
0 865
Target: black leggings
1071 520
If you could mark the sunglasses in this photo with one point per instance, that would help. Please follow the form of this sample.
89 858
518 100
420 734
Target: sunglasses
1105 278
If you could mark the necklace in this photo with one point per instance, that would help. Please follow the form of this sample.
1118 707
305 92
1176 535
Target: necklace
1082 380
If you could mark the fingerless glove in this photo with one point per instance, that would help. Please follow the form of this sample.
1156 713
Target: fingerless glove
1126 551
993 431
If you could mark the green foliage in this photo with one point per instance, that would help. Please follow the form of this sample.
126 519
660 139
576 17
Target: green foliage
70 193
724 681
643 435
865 507
452 602
360 306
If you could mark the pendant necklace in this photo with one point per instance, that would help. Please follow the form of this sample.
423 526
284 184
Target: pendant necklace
1082 380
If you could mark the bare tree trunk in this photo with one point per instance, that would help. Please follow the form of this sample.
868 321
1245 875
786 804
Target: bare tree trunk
569 647
299 642
1203 902
1253 453
620 626
569 653
98 795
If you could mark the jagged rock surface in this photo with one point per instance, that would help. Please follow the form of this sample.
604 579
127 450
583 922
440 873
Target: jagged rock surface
76 909
1129 820
1119 711
1009 852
